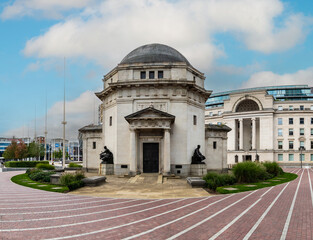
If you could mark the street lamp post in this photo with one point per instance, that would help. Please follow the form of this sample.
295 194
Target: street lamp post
301 149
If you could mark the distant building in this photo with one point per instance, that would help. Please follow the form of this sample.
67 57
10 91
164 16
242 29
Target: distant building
5 142
268 123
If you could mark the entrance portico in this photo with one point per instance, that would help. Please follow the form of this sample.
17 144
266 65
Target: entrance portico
150 140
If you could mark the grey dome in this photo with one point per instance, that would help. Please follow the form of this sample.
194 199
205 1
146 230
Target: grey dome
154 53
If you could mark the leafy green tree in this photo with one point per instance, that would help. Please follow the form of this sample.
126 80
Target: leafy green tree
59 154
35 150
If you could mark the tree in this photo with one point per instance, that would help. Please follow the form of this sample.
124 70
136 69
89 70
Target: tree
59 154
35 150
15 150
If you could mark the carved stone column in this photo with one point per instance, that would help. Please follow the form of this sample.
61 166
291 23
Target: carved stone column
240 134
253 133
132 162
167 151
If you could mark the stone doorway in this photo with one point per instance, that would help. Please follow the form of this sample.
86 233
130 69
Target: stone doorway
150 157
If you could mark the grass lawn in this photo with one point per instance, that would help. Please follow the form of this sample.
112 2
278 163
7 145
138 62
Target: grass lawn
286 177
24 180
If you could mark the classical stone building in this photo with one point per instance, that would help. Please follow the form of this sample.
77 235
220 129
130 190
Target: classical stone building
153 114
268 123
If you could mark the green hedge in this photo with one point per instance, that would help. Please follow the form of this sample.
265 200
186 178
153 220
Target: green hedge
74 165
22 164
38 175
45 166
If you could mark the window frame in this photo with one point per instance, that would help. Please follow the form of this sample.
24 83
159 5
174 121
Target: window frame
151 75
160 74
143 75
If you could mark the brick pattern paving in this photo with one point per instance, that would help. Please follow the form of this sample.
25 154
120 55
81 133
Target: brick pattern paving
281 212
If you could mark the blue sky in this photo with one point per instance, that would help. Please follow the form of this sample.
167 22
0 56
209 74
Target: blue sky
237 44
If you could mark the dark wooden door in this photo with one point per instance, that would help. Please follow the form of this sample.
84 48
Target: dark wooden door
151 157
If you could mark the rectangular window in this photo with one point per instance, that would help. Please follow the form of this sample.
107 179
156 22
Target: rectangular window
301 120
280 144
280 157
311 107
210 114
311 120
311 144
301 144
301 157
290 144
194 120
142 75
214 145
311 157
151 74
301 131
290 157
94 145
280 132
290 131
280 108
290 107
280 121
311 131
301 107
160 74
219 113
110 123
290 121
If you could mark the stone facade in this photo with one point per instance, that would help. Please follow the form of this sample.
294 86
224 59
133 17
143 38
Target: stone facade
266 124
153 112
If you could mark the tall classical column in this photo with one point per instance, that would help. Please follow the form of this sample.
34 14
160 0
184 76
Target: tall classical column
167 151
253 133
132 163
240 134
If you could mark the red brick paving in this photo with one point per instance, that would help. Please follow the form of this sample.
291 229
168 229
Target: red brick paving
27 213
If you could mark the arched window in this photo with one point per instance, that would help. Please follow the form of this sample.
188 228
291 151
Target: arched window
247 105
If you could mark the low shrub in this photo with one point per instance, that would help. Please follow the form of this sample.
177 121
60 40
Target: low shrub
75 184
214 180
74 165
45 166
21 164
40 176
273 168
249 172
72 181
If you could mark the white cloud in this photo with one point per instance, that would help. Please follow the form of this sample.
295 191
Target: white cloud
79 112
44 8
106 32
268 78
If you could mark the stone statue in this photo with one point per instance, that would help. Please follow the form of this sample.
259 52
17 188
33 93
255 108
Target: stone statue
197 157
106 156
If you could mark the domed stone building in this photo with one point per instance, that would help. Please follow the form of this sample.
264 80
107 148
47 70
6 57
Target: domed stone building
153 114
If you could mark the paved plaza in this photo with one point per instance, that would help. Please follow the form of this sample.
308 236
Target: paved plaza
281 212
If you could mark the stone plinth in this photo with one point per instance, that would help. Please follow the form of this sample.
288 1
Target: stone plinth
106 169
55 178
198 169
